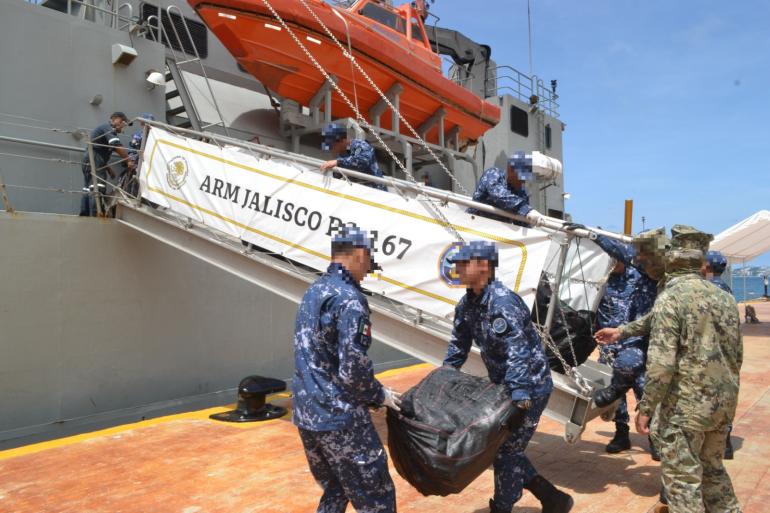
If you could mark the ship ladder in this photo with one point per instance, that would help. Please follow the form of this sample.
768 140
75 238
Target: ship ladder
176 65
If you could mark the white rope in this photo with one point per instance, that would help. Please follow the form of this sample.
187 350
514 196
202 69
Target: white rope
433 209
352 59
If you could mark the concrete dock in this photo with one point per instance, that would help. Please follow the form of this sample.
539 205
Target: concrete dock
189 464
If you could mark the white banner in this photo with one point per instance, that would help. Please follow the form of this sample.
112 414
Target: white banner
293 210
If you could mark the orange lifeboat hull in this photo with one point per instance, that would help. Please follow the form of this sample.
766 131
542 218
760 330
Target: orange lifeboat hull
266 50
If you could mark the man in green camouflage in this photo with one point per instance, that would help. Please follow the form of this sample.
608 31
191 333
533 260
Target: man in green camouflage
693 367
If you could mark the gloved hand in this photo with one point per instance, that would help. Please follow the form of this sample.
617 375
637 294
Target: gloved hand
534 217
573 226
392 399
524 404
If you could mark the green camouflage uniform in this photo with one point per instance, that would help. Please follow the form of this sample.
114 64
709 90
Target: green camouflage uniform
693 367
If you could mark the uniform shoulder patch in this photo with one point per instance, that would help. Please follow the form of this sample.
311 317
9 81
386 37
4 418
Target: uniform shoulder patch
365 327
499 325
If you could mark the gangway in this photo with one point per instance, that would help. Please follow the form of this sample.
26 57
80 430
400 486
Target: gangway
398 325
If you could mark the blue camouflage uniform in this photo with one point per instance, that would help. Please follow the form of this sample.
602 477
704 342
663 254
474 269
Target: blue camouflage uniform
627 296
499 322
717 263
360 156
717 280
333 387
105 140
493 189
135 144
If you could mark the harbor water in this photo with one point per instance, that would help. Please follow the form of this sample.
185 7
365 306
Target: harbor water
751 287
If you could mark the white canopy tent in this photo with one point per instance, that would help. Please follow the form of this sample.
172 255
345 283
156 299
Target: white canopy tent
745 240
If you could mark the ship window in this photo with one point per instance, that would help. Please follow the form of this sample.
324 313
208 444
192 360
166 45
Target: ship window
417 32
548 136
385 17
558 214
519 121
197 29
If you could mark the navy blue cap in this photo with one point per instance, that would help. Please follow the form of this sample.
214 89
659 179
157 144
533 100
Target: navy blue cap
479 249
716 262
332 133
358 238
522 164
147 115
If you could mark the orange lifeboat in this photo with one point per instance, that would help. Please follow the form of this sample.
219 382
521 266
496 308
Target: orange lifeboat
389 43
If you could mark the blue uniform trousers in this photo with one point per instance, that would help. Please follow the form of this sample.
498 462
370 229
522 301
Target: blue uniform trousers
512 467
350 465
627 373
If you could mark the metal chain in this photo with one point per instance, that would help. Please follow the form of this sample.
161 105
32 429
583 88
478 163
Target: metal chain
569 370
435 209
352 59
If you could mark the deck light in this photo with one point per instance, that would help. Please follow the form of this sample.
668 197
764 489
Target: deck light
154 78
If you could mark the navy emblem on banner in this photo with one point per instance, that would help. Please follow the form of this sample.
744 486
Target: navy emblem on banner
446 268
176 172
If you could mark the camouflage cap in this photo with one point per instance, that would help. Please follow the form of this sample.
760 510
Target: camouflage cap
716 261
687 237
479 249
521 163
688 248
651 247
651 241
352 235
331 133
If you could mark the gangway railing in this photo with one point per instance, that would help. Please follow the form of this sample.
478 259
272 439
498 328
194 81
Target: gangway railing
400 326
549 223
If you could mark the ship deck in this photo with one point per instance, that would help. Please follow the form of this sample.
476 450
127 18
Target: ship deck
188 464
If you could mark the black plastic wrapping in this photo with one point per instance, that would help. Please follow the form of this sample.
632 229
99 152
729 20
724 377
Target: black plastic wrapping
450 427
567 322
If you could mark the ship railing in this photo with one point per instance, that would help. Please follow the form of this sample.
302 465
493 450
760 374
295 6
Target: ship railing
454 73
110 14
531 89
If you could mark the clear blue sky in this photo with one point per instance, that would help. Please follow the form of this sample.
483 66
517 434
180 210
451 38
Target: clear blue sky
666 102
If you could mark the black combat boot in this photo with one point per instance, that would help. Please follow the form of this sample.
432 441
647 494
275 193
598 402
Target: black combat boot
607 396
494 509
552 499
653 451
728 449
621 441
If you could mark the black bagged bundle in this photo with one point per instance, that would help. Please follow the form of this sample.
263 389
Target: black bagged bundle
450 427
567 324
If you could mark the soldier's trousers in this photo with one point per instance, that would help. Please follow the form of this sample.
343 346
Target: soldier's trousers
512 467
693 475
627 373
350 466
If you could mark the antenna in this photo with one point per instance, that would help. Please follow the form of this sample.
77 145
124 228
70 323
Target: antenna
529 24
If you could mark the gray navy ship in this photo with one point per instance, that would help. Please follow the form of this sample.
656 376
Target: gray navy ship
106 320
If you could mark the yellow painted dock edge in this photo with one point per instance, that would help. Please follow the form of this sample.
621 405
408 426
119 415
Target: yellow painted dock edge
194 415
